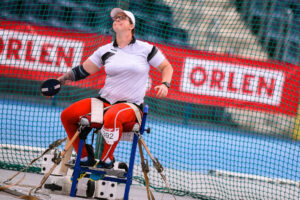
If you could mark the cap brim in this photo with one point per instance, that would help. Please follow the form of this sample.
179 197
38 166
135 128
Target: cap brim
115 11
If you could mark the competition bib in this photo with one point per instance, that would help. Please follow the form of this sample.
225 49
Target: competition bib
110 135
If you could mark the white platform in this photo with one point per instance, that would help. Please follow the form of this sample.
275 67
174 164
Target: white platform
137 191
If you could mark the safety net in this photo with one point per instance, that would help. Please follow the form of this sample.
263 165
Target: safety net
230 125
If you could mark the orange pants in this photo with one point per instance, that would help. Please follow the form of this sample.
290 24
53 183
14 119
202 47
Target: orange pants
114 117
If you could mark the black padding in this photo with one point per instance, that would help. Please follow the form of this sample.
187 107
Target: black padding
106 56
152 53
79 73
50 87
84 132
90 151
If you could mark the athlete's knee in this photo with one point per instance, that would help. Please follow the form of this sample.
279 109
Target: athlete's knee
66 116
63 116
110 120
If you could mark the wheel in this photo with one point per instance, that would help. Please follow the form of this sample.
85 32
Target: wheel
90 188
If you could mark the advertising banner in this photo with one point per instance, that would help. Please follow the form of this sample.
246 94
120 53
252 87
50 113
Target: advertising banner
37 53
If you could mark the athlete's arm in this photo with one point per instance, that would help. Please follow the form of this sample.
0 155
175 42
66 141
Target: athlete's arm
166 70
90 67
79 72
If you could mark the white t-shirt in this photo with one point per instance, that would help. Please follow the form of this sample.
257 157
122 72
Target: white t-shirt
127 69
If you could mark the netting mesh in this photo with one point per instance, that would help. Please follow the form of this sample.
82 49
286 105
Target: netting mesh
229 128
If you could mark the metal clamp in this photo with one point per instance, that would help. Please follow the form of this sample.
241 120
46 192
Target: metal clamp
145 166
57 157
57 143
157 165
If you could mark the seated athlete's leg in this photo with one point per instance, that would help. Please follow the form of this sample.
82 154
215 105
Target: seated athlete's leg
70 118
112 129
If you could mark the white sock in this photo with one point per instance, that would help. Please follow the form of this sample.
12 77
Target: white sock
107 161
84 159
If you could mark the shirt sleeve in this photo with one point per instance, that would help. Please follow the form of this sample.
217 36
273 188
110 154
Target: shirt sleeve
155 57
96 57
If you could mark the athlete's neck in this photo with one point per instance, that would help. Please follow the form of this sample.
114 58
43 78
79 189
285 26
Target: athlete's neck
123 39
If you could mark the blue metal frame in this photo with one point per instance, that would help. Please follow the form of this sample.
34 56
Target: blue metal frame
128 176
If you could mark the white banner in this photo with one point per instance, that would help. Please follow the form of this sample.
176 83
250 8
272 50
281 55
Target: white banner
220 79
36 52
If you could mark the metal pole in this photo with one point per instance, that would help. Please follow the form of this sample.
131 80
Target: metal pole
132 156
76 169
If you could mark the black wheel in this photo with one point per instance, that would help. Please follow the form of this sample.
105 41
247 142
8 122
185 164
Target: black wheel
90 188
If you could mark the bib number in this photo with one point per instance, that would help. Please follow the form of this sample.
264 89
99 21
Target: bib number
110 135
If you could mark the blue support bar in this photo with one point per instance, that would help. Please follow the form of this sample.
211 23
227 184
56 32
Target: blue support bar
77 170
130 169
132 156
145 113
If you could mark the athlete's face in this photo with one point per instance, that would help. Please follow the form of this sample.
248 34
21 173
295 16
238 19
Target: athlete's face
122 23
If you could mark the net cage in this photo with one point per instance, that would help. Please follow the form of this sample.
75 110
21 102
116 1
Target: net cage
230 126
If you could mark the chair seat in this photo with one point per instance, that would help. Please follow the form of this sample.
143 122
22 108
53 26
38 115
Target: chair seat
128 128
128 131
131 127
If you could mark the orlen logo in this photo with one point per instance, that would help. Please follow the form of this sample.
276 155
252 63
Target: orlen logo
35 52
220 79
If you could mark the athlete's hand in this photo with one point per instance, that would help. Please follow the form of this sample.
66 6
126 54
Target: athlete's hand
161 90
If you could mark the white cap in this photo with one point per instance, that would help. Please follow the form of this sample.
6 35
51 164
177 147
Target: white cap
129 14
